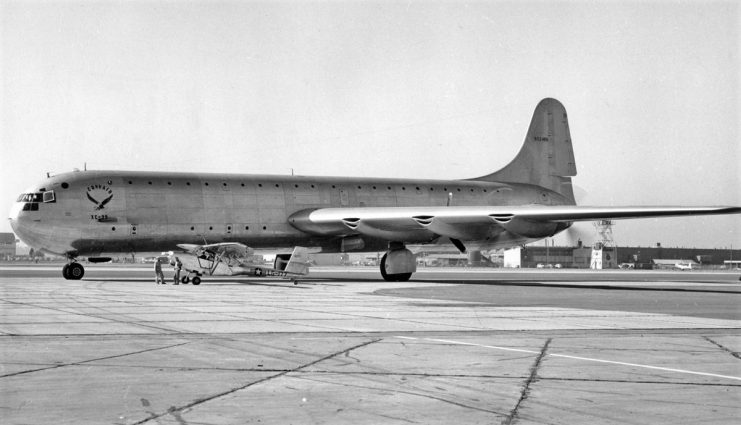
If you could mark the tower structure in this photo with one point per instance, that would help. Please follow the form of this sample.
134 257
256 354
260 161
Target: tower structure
604 251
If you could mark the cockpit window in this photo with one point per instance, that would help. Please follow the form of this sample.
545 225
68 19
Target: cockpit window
30 197
49 196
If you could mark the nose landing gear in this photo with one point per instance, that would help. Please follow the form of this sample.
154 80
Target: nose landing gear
73 271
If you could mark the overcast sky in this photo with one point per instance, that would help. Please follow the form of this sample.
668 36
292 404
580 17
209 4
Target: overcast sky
432 89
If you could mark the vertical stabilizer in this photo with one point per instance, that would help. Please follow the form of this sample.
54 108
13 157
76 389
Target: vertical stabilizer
546 158
299 262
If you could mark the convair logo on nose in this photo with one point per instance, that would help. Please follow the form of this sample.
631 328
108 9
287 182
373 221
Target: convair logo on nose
99 191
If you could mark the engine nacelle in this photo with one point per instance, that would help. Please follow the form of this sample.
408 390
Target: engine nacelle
528 228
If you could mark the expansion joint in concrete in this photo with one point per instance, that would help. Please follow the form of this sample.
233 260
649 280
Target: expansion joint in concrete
97 359
176 411
735 354
528 382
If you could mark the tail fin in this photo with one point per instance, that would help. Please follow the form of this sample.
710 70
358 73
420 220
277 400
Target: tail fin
546 158
299 262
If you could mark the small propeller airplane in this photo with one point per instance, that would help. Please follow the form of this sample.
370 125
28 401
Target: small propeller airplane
233 258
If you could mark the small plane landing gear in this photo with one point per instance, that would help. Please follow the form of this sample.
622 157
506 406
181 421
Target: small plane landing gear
196 280
73 271
185 279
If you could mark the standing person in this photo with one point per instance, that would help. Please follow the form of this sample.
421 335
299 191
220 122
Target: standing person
178 266
158 275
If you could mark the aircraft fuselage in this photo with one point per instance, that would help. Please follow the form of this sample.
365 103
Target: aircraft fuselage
97 213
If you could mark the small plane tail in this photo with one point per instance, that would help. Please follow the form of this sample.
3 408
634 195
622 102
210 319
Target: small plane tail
298 263
546 158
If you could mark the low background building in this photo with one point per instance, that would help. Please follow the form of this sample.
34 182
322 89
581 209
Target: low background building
638 257
7 246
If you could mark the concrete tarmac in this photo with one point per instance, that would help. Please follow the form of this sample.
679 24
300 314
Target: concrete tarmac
473 346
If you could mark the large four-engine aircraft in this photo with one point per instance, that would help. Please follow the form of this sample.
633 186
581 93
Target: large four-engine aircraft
97 214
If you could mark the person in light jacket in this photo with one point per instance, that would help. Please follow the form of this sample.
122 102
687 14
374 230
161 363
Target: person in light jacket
158 275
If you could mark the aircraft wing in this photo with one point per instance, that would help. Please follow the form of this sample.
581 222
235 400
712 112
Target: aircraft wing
473 222
583 213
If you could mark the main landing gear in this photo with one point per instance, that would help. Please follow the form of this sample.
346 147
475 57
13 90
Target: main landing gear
73 271
398 264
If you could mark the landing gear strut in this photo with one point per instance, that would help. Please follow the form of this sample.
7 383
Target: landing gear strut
73 271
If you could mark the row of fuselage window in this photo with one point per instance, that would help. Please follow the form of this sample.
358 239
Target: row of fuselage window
193 229
314 186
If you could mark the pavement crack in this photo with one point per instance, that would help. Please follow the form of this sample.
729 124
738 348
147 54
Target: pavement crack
412 393
177 410
93 360
526 387
735 354
71 310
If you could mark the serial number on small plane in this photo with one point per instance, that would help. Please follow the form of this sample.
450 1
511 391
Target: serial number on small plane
99 217
274 273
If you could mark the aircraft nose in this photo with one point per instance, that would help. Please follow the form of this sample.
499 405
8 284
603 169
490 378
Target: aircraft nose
39 229
28 228
18 220
14 215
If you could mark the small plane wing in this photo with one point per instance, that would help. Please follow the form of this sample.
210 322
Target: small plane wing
471 222
228 249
